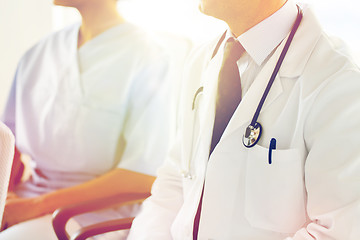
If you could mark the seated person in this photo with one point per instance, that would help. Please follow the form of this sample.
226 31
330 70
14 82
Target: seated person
299 179
6 155
90 105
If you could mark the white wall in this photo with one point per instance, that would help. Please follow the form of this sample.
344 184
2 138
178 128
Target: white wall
22 23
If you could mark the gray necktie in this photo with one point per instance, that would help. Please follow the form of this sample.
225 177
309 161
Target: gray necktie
228 98
229 89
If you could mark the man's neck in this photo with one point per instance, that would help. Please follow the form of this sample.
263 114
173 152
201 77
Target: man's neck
244 21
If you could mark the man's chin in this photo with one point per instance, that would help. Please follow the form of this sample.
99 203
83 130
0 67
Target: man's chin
201 9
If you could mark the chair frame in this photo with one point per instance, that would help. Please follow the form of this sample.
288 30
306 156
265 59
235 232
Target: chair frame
62 215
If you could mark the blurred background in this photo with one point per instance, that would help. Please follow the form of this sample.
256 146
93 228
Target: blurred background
24 22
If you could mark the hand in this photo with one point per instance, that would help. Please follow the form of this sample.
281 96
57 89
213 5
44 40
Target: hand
11 195
18 210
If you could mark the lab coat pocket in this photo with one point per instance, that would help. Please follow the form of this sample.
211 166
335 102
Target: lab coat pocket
275 197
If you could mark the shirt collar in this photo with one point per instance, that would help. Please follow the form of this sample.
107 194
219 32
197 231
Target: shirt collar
260 40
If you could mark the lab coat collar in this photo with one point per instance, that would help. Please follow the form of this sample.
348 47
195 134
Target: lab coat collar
293 66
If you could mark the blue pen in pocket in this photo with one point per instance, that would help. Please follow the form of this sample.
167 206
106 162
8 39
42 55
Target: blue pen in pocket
271 147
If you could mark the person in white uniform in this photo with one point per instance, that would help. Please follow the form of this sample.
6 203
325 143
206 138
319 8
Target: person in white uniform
7 146
90 105
305 187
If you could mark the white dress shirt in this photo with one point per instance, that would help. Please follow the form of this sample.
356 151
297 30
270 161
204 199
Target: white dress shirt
274 29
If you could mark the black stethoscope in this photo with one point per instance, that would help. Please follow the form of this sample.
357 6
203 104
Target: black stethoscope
253 132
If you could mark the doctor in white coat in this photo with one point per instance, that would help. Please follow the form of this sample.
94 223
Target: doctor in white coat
306 188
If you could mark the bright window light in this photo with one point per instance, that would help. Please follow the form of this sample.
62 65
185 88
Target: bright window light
176 16
341 19
182 17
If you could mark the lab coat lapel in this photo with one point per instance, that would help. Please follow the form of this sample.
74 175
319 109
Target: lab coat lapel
206 113
195 79
207 109
293 65
247 107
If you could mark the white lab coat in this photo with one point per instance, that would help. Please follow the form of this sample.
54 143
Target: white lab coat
312 188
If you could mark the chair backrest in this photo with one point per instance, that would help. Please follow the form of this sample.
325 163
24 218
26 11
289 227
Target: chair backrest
7 147
62 215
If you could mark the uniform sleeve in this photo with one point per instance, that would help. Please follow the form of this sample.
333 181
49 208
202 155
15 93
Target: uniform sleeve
146 135
332 168
6 154
158 211
8 116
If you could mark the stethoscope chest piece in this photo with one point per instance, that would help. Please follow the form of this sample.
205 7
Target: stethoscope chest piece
252 135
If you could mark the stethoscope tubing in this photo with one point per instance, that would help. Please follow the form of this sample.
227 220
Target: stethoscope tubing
254 122
254 130
277 67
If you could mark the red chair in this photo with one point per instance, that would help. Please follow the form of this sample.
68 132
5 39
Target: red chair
62 215
7 144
